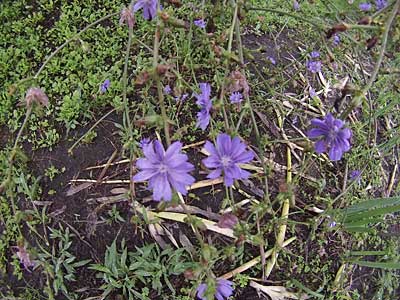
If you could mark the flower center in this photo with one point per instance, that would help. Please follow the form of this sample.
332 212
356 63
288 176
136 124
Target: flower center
226 161
333 133
162 168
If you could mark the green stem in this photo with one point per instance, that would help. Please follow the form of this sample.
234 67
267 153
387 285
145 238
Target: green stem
248 105
357 100
127 120
159 85
14 153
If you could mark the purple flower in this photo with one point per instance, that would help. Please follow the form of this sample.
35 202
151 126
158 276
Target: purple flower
332 224
355 175
331 136
24 257
226 157
149 8
336 40
380 4
314 66
144 142
272 60
314 54
205 103
365 6
224 290
164 169
167 90
312 92
236 97
104 86
181 98
200 23
296 5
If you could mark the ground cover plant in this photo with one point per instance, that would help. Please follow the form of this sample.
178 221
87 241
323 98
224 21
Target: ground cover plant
215 149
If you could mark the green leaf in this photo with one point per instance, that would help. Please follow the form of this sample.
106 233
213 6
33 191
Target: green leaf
379 265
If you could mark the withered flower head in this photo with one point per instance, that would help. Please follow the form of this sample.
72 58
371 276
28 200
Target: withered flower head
336 29
36 95
238 83
127 16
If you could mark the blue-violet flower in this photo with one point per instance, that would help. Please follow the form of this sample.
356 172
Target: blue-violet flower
205 103
365 6
380 4
164 169
225 158
236 97
331 136
104 86
224 290
200 23
149 8
314 66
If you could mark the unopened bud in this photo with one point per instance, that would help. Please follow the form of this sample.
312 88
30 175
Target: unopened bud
162 69
366 20
371 42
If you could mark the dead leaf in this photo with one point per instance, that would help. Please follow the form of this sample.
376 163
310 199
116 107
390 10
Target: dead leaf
277 292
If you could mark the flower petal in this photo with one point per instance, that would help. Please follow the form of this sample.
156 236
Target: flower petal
320 146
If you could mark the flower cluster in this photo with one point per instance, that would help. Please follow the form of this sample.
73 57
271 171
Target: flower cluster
314 65
170 169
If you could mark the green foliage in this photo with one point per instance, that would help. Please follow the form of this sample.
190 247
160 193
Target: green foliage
132 273
60 264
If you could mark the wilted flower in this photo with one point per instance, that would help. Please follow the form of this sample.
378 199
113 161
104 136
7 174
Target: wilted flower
224 290
104 86
127 16
36 95
314 54
200 23
149 8
167 90
236 97
380 4
228 220
296 5
238 83
205 103
225 158
331 136
164 169
314 66
24 257
365 6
